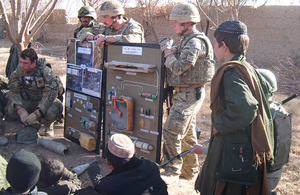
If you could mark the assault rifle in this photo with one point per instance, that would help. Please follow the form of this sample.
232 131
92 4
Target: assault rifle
181 154
289 99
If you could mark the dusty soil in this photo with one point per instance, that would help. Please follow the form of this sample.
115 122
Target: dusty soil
55 54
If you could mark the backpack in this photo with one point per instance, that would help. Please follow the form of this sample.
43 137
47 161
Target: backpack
60 87
12 62
282 135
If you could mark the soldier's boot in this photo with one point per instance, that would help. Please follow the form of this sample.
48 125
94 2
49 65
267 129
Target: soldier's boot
60 119
188 176
49 130
94 173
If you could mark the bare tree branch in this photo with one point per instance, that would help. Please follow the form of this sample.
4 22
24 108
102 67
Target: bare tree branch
42 19
6 23
26 16
206 16
226 9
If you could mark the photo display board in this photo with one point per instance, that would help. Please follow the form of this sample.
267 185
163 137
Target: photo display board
134 96
84 53
83 112
84 74
84 79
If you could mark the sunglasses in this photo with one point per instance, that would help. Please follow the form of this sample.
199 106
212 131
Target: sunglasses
83 12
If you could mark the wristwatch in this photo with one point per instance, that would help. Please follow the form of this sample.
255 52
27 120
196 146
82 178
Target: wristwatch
104 38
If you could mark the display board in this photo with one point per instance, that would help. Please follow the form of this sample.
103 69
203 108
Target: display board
82 119
83 111
134 96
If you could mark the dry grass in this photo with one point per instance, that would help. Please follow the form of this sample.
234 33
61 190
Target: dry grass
287 73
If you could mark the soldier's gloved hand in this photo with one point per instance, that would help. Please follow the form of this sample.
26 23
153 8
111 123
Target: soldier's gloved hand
166 43
23 114
33 117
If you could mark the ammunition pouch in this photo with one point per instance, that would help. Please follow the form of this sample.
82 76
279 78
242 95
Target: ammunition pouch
200 73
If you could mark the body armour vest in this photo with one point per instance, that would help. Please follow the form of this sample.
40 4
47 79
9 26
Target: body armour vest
33 85
201 72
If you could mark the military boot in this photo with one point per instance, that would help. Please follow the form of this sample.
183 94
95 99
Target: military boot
49 130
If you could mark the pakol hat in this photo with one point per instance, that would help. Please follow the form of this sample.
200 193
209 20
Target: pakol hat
233 27
121 146
23 170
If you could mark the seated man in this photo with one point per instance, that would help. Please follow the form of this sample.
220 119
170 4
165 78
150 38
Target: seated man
118 28
3 102
129 175
56 179
22 173
33 92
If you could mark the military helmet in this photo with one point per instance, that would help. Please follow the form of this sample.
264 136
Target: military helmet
87 11
270 78
111 8
185 12
27 135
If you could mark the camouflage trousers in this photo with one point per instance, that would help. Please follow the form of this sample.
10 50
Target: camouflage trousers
53 113
180 134
3 182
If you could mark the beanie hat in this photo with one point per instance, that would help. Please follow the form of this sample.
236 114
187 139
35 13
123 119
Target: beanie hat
121 146
23 170
233 27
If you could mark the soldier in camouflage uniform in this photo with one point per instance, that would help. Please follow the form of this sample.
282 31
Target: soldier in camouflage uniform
3 182
3 102
33 91
189 68
117 27
87 16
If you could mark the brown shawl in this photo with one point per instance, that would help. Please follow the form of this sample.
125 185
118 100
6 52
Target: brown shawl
260 143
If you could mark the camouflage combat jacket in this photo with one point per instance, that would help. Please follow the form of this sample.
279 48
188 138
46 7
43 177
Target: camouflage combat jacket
192 63
131 32
39 85
3 182
100 26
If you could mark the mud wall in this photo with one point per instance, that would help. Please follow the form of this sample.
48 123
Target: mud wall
274 30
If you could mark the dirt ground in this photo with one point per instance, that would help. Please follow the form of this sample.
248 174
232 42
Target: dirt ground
55 54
